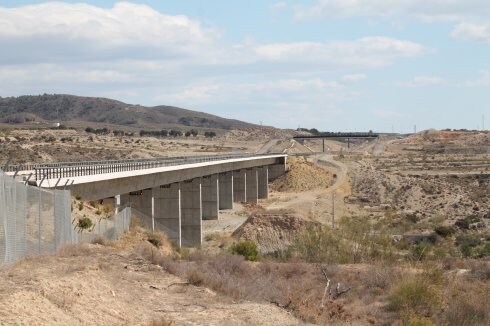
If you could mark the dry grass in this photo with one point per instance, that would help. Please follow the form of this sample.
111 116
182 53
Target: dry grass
161 322
71 250
297 287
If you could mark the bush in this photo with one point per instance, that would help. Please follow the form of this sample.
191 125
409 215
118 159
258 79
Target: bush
414 295
99 240
468 305
483 251
470 240
420 251
444 231
317 245
196 277
154 238
85 223
247 249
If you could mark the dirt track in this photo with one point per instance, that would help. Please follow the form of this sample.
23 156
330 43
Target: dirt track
316 204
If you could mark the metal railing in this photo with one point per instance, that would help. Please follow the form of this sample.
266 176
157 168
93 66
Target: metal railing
85 168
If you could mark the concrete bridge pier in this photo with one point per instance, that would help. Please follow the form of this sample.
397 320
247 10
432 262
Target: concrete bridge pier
240 186
263 182
142 201
251 182
121 200
210 197
191 212
167 212
226 190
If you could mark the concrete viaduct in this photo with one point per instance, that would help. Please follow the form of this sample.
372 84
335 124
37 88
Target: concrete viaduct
176 193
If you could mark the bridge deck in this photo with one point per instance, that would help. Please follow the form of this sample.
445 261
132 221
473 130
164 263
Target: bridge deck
339 135
197 163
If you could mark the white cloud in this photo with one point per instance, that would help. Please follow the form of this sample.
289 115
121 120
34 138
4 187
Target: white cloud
483 80
57 30
292 90
363 52
423 81
278 6
428 10
137 54
354 78
288 101
471 16
472 31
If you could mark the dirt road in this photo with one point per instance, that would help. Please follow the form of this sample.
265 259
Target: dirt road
316 204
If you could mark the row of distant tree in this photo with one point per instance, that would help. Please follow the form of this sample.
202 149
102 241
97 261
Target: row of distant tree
151 133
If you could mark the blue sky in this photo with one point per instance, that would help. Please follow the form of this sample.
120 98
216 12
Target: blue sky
329 64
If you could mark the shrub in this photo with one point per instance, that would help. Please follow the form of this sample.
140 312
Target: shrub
467 306
483 251
414 295
470 240
466 250
247 249
99 240
444 231
85 223
420 251
154 238
196 277
80 206
317 245
161 322
412 218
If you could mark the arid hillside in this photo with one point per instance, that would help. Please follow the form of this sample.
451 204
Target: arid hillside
76 110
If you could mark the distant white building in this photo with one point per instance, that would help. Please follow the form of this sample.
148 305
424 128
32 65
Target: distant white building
57 125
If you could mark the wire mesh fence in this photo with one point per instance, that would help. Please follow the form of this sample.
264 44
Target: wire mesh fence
37 221
109 228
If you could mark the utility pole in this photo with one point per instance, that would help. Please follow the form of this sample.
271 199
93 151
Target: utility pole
333 210
483 122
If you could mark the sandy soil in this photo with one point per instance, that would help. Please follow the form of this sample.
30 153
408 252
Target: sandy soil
95 285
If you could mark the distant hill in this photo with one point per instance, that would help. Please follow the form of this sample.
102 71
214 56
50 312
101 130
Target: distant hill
77 110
